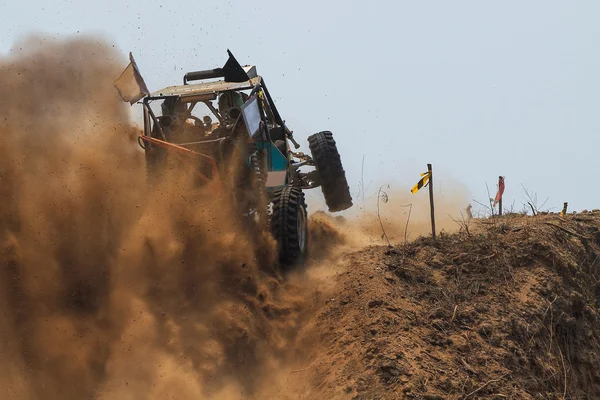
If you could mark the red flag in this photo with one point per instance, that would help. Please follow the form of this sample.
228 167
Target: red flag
500 190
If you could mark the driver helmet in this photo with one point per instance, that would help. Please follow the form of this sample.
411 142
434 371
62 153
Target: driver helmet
228 100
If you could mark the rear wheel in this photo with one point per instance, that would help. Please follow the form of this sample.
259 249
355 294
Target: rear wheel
289 224
332 176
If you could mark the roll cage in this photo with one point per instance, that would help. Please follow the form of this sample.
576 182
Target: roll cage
257 116
259 94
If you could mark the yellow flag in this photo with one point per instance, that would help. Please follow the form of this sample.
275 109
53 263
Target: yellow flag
422 182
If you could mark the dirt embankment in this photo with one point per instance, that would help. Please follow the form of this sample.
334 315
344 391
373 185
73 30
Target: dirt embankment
509 312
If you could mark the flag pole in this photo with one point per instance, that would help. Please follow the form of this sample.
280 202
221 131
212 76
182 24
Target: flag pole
501 195
564 210
429 169
498 198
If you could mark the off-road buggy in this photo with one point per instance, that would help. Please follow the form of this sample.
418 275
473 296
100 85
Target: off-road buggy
243 143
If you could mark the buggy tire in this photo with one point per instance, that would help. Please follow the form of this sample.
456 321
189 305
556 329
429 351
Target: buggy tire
332 176
289 225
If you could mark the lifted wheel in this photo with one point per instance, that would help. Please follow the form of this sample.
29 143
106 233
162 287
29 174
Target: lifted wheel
289 224
332 176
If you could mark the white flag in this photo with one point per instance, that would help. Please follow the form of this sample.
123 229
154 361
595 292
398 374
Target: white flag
130 84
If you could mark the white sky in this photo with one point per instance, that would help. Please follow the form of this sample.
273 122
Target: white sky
477 88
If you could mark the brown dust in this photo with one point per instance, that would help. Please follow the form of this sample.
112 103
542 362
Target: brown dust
110 289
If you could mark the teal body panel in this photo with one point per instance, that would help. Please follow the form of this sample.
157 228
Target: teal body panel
276 161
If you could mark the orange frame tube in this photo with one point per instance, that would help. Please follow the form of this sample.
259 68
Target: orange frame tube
182 151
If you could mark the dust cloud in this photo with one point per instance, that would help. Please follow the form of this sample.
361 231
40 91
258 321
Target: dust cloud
402 212
110 289
402 216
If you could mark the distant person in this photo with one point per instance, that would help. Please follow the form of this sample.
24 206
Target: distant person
469 214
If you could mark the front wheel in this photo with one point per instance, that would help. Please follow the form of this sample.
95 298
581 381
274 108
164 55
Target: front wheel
289 224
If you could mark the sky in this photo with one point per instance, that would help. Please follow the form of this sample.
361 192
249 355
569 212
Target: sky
476 88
